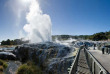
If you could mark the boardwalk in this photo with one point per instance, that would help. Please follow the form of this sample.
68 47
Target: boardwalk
104 59
85 63
82 67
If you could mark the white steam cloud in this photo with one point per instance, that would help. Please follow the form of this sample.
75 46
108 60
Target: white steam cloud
38 27
39 24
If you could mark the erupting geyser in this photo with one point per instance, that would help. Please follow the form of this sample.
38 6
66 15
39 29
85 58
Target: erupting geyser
38 25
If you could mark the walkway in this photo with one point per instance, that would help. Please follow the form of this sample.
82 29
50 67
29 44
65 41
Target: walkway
82 67
104 59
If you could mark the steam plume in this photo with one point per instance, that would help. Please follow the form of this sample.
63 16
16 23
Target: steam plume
38 25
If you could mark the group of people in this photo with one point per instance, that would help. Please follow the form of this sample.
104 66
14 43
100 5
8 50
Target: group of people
105 50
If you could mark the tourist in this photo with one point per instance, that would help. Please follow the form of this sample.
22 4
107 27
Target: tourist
106 50
94 46
85 46
102 50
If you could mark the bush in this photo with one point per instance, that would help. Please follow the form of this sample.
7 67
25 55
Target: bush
24 69
4 64
1 62
29 68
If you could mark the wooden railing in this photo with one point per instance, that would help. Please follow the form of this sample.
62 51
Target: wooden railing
95 66
73 68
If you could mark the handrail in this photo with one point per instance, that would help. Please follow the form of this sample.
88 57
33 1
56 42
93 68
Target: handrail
97 62
99 69
73 68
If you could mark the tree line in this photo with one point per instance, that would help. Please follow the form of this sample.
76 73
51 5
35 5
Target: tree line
13 42
100 36
95 37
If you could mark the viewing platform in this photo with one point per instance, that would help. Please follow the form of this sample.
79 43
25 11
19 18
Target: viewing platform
103 59
82 67
90 62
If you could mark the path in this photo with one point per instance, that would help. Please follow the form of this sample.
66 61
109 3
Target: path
82 67
104 59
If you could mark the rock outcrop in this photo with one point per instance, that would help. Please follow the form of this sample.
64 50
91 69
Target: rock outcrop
51 57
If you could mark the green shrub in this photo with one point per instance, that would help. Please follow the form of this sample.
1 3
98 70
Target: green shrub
29 68
5 65
1 62
24 69
36 70
29 63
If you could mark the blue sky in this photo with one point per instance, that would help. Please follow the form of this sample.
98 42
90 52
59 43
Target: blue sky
72 17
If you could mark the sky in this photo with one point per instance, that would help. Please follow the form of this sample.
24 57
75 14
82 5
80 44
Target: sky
72 17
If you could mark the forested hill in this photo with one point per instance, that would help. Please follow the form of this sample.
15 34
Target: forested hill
100 36
95 37
65 37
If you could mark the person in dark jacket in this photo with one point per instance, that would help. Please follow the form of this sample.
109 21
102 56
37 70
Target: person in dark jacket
94 46
103 50
106 50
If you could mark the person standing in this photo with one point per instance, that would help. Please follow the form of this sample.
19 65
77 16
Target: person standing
106 50
102 50
94 46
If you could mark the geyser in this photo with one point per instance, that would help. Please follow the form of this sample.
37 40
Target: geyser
38 27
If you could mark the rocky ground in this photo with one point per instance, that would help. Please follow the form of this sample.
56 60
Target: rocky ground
50 57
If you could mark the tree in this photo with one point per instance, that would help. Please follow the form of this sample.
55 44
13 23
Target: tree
99 36
8 42
3 42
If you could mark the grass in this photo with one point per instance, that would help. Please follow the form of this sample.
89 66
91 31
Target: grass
24 69
1 62
29 68
3 65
